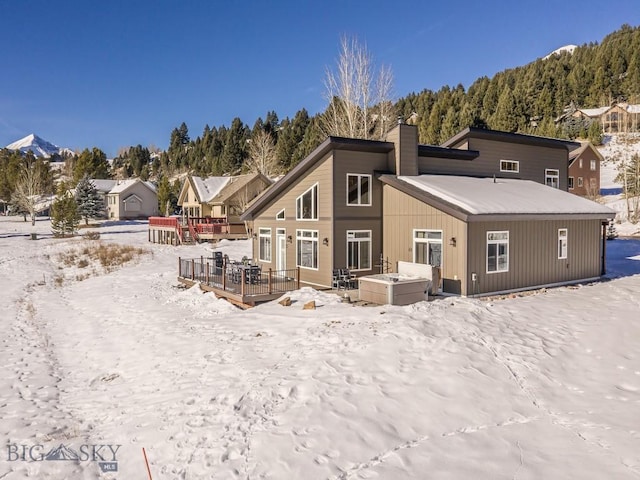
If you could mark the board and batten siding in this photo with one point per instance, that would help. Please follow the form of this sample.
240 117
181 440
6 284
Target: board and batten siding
533 254
402 214
533 160
322 174
349 217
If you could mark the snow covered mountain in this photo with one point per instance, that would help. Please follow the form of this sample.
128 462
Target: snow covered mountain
39 146
558 51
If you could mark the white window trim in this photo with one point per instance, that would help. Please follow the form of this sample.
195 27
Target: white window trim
312 239
496 242
562 236
359 176
513 162
264 233
426 240
580 182
593 165
368 240
570 183
279 218
313 206
548 173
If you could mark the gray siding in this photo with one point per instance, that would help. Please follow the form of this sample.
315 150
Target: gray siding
533 254
402 214
321 173
533 161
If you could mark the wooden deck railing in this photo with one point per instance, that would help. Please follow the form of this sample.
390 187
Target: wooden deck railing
246 281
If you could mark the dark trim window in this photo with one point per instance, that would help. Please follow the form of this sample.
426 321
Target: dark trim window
359 250
358 190
511 166
497 252
265 244
307 249
307 204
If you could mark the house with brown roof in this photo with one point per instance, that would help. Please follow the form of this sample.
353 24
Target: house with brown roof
584 170
489 209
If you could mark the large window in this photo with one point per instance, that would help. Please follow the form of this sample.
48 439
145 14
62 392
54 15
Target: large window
497 252
265 244
563 248
359 249
307 248
307 204
552 177
512 166
358 189
427 247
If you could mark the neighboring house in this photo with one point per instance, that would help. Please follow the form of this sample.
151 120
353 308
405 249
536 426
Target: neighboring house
584 170
222 198
619 117
478 207
103 187
131 199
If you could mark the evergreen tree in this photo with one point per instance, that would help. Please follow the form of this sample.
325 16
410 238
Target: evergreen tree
167 198
90 203
64 213
92 163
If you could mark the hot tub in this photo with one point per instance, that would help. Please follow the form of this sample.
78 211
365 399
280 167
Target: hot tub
393 289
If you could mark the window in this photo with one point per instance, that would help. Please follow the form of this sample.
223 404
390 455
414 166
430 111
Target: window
265 244
280 215
580 163
592 165
562 243
512 166
593 183
570 183
307 246
358 190
359 249
580 182
497 252
427 247
307 204
552 177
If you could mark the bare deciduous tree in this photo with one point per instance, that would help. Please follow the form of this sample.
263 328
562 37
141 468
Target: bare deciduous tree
359 104
29 187
262 154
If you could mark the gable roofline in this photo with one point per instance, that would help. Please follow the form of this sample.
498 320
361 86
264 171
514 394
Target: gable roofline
520 138
331 143
121 188
236 184
574 154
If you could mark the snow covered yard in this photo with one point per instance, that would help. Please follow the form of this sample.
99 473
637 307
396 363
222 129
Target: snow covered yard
540 386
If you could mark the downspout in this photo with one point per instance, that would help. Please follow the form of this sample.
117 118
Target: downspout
603 268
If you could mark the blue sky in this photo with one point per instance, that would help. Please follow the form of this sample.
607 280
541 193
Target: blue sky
117 73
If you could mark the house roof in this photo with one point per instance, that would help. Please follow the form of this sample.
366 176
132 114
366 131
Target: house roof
472 132
123 185
501 198
236 184
103 186
573 154
594 112
331 143
207 188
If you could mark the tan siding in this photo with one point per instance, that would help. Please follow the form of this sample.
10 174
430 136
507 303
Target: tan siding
533 254
321 173
402 214
533 161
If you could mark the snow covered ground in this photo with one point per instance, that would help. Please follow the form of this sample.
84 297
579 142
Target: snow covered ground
537 386
616 147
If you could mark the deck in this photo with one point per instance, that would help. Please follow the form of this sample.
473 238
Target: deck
244 285
176 231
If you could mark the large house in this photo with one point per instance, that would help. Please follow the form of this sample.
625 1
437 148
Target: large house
620 117
490 209
221 198
127 199
584 170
